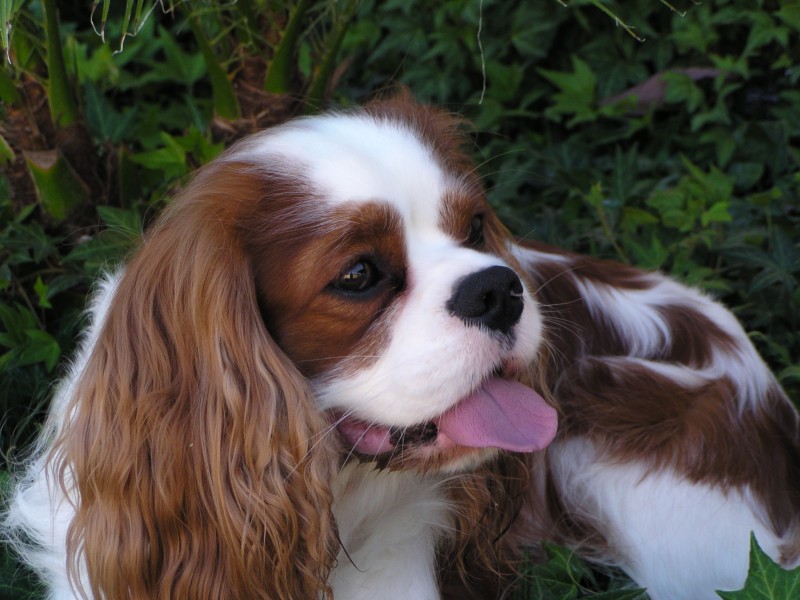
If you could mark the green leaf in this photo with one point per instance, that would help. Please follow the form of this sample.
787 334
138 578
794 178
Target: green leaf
199 145
766 580
42 291
789 13
225 103
95 254
40 347
59 188
8 87
718 213
671 205
504 80
16 320
8 10
576 95
732 65
6 153
653 256
279 73
633 216
171 158
682 89
24 213
566 577
123 220
104 121
790 373
764 31
557 579
63 107
186 68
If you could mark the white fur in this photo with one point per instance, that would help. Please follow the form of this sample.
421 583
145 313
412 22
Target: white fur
390 523
673 537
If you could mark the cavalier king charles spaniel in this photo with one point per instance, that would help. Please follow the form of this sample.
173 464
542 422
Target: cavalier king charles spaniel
329 370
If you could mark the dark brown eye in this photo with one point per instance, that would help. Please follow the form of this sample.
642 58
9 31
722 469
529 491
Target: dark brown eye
475 237
361 276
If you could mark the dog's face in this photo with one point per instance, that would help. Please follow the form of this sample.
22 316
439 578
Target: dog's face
380 272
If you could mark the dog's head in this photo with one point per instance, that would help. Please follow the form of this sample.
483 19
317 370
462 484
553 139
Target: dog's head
334 288
383 275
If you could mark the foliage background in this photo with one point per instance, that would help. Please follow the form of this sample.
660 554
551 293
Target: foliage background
696 173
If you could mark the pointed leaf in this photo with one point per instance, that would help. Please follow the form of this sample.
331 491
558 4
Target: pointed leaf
765 579
58 186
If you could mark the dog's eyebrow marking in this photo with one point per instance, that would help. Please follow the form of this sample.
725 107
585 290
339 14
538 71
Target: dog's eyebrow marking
457 209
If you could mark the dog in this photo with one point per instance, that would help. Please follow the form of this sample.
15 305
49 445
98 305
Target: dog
323 334
329 371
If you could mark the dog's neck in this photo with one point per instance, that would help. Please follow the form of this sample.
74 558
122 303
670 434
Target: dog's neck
389 525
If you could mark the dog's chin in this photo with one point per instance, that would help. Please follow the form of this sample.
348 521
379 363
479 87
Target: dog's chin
426 457
453 460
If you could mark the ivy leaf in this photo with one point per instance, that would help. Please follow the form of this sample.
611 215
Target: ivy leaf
765 579
576 94
565 577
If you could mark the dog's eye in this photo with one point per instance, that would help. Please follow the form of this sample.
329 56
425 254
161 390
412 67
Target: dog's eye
475 237
358 277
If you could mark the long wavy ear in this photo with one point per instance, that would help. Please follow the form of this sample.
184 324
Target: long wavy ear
193 443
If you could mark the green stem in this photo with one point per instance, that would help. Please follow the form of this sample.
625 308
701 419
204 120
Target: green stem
248 12
628 29
609 233
279 74
225 103
62 105
319 86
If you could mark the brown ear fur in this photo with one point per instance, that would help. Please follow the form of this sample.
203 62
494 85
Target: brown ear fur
194 445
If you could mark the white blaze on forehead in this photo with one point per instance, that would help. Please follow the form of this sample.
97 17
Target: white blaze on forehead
356 158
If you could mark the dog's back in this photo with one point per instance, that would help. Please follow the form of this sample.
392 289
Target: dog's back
676 440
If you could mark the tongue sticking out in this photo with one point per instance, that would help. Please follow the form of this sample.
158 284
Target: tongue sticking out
501 414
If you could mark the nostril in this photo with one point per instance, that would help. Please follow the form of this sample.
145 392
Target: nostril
492 298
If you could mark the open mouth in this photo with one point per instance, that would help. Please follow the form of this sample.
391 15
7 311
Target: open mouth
500 413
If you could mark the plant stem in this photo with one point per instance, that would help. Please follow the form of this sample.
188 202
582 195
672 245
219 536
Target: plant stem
225 103
62 105
279 74
319 85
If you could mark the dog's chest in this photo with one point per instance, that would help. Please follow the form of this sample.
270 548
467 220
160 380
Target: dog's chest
389 524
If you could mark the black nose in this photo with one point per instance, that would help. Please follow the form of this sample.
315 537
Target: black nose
490 298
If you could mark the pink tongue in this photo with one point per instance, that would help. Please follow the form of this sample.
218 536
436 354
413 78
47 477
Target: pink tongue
501 414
